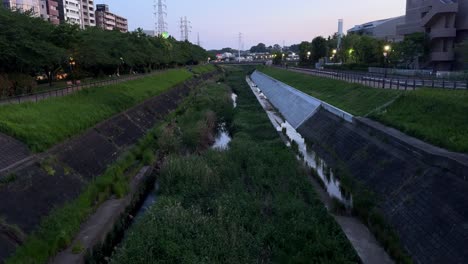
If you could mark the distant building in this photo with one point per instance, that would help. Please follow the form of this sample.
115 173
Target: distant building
109 21
151 33
79 12
23 6
385 29
446 23
50 11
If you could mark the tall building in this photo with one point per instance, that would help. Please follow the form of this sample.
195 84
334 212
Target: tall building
23 6
79 12
385 29
109 21
50 11
445 22
88 13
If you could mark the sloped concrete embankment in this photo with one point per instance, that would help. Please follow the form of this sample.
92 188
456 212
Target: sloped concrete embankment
422 193
47 181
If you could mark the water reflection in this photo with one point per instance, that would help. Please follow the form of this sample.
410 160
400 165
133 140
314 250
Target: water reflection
234 99
222 138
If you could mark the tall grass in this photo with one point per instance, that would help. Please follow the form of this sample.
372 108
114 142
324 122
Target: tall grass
249 204
43 124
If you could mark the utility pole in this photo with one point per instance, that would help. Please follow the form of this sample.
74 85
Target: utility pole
160 17
198 39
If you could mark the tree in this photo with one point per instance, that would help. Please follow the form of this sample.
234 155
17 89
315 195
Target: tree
305 53
277 58
412 49
319 48
259 48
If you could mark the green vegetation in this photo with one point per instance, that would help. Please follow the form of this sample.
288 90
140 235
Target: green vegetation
249 204
30 47
433 115
58 229
354 98
358 52
43 124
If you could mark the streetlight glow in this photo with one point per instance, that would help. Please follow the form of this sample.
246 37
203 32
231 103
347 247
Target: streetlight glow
387 48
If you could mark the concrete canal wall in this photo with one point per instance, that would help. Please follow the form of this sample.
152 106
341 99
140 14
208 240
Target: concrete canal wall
424 200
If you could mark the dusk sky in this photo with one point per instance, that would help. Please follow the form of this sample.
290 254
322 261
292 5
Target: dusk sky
269 21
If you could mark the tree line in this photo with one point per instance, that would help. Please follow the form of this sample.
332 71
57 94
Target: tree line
30 46
365 51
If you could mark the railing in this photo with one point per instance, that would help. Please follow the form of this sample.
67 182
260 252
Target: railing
390 82
69 89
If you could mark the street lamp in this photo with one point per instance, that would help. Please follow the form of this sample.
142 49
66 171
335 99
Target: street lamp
308 55
386 53
72 64
334 53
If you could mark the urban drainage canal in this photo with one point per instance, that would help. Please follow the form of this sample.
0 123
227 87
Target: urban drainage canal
221 144
311 159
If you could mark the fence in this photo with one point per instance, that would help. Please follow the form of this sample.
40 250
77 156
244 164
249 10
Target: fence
69 89
390 82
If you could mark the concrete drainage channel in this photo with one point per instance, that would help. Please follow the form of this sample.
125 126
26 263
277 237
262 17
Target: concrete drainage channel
359 235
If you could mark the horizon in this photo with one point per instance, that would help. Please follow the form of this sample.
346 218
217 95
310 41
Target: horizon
269 27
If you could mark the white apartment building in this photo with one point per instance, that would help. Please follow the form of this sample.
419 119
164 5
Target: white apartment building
80 12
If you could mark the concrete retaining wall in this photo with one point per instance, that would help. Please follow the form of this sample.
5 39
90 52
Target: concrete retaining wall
422 190
33 193
427 205
293 104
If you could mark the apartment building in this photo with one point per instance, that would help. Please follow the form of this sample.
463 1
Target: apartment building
79 12
50 11
88 13
23 6
109 21
445 22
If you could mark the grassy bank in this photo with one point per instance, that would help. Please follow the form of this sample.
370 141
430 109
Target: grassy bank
249 204
433 115
436 116
354 98
43 124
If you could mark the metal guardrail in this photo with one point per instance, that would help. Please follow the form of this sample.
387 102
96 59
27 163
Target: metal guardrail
391 82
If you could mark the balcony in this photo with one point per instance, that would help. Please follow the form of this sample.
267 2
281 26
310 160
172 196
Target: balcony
443 56
443 33
439 8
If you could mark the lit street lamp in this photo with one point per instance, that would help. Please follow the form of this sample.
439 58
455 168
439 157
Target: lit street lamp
72 64
387 49
308 55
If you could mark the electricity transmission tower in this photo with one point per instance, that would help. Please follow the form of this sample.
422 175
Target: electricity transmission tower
185 28
160 13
